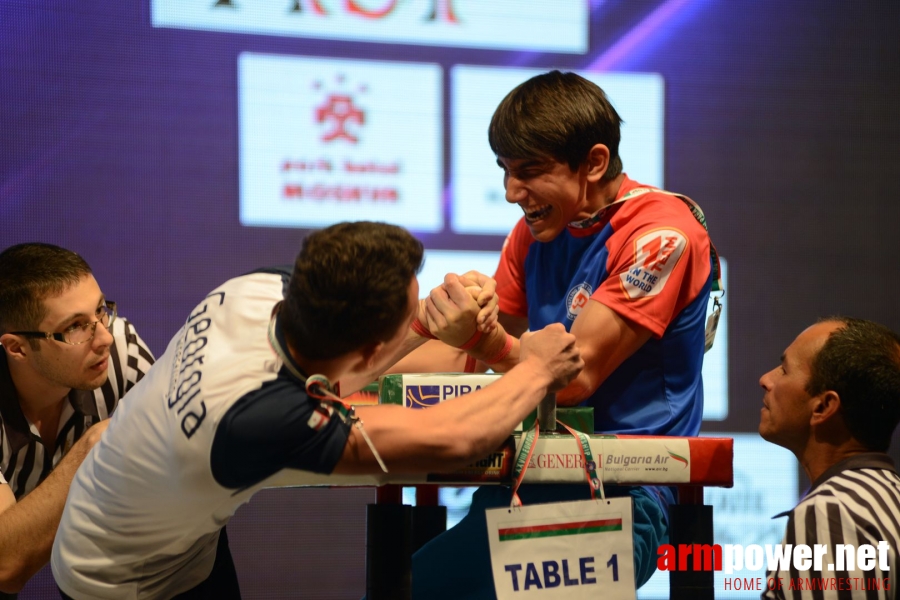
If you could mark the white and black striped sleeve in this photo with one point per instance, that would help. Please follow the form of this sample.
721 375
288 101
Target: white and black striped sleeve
139 358
841 512
130 359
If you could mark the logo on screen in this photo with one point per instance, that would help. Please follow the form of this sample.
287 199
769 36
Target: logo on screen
339 113
441 10
422 396
532 25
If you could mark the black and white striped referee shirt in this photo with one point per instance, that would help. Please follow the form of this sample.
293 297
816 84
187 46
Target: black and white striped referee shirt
855 502
23 460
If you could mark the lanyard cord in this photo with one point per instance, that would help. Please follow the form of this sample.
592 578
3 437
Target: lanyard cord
319 388
717 285
590 467
529 443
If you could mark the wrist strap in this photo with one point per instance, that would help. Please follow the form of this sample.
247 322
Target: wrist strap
476 337
421 330
507 348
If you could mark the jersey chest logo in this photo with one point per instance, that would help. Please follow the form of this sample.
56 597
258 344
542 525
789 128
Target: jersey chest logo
577 298
655 255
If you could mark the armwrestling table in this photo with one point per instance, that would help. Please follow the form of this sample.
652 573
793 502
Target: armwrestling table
394 531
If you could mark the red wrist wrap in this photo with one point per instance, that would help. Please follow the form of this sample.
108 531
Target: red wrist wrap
476 337
507 347
421 329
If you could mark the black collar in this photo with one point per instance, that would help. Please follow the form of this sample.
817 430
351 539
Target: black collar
866 460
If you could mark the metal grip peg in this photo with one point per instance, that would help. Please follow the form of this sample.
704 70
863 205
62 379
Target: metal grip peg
546 413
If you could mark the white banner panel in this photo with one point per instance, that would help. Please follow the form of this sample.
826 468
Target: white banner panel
323 141
530 25
479 204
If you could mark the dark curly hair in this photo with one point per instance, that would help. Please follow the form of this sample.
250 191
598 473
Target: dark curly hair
349 288
861 363
556 115
30 273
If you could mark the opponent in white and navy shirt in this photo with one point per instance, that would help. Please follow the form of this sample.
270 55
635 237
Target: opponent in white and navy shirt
217 415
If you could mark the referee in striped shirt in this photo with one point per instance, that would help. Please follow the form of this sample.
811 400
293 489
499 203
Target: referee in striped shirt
65 363
834 402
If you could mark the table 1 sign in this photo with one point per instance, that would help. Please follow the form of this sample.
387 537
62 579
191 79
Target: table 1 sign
568 550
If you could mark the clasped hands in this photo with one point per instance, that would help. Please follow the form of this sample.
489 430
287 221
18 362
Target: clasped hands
455 311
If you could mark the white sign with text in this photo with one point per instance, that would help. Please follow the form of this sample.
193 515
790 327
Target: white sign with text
564 550
323 141
530 25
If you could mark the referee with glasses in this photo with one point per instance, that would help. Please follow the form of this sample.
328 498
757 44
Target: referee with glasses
834 401
65 363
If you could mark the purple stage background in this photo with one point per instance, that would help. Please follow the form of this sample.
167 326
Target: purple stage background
782 119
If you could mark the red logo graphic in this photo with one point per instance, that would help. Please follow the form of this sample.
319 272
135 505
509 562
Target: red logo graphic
658 253
579 302
577 298
441 10
340 110
355 9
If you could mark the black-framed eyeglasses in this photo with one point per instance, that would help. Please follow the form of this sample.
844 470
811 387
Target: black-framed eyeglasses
79 333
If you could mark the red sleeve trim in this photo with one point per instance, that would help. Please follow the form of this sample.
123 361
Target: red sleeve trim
510 273
658 262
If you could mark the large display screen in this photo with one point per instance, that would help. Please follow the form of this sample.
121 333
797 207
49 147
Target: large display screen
178 143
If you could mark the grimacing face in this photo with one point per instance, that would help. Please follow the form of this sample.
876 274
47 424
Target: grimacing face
83 366
787 406
549 193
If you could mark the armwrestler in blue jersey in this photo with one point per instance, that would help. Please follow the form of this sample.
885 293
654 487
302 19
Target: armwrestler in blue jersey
625 267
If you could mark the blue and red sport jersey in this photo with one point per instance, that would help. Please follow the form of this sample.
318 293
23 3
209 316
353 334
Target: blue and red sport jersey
648 259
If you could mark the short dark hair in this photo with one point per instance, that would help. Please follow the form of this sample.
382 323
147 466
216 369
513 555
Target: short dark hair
556 115
861 362
30 273
349 288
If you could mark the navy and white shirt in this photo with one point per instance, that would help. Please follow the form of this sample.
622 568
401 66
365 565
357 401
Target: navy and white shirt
217 416
24 461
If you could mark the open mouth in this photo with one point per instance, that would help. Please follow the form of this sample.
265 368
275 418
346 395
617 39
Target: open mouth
536 214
